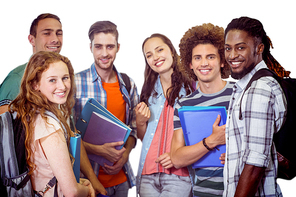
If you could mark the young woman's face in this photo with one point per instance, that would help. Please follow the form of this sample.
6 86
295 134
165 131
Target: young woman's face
158 55
55 83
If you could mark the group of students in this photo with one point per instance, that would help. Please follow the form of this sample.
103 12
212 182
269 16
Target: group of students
208 55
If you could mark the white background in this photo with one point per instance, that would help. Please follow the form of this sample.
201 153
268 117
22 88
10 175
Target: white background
137 20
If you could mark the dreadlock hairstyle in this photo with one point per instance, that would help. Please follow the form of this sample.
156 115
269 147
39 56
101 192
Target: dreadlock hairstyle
30 101
178 77
206 33
255 29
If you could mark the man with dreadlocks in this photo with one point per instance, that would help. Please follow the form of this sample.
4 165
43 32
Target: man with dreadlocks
251 161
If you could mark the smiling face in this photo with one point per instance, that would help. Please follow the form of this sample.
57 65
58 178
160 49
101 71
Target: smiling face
55 83
241 53
104 48
49 36
206 63
158 56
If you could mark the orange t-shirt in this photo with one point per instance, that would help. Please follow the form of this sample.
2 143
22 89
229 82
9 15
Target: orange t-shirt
116 105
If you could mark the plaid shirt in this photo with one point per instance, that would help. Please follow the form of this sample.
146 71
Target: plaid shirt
250 140
89 85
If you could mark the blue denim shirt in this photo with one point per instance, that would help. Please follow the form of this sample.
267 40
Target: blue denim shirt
156 107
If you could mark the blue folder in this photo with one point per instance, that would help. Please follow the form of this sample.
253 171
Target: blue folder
94 106
197 123
101 195
75 144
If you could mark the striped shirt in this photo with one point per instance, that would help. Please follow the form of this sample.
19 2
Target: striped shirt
250 140
207 181
89 85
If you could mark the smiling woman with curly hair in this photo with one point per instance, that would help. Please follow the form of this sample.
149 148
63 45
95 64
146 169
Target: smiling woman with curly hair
203 34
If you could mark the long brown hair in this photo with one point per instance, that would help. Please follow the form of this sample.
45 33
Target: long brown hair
178 77
30 102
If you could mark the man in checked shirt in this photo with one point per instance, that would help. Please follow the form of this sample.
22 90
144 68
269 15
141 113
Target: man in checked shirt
251 161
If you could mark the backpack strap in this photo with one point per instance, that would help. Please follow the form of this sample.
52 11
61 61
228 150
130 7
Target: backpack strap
260 73
127 81
48 186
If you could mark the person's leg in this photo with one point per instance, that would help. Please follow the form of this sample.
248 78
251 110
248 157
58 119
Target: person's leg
175 186
110 191
149 186
121 190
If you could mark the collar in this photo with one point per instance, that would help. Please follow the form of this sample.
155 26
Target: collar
95 76
243 82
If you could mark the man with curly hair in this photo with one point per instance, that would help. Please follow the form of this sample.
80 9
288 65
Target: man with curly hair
251 163
202 56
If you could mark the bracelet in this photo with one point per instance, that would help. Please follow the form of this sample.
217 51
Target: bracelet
204 143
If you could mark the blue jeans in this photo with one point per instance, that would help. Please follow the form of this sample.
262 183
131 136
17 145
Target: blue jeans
162 185
120 190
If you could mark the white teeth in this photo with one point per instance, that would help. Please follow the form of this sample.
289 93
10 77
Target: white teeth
59 94
204 71
158 63
235 63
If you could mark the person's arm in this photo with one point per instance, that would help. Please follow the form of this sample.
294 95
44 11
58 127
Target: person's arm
3 109
56 151
87 170
142 116
249 181
129 145
183 156
107 150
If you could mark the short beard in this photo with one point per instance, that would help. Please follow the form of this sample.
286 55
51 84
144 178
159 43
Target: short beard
243 72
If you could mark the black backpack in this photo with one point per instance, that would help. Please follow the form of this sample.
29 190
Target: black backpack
285 138
127 82
15 179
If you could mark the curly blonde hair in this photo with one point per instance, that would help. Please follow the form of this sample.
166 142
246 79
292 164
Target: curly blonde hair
30 102
203 34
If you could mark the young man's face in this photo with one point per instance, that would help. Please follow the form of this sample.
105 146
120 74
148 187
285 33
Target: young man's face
49 36
206 63
241 53
104 48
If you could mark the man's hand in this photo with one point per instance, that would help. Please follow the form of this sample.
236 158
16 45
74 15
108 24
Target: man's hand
111 153
117 166
218 135
222 158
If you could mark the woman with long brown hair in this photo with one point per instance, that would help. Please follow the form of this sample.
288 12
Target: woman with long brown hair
48 86
164 84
